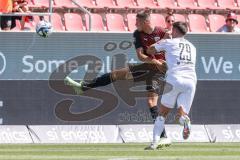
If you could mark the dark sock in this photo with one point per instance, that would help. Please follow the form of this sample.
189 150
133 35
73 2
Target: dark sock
154 112
103 80
164 134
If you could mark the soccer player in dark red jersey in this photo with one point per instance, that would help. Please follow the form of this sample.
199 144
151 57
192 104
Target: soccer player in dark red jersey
145 36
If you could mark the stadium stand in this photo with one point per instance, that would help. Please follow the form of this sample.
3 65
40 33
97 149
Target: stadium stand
27 26
97 22
147 4
110 4
238 3
87 3
167 4
197 23
73 22
115 22
227 4
215 22
238 17
126 4
179 17
57 22
158 20
131 19
214 10
64 3
188 4
40 3
207 4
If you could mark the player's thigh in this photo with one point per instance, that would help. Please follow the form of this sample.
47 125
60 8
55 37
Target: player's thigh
143 71
169 97
122 74
186 97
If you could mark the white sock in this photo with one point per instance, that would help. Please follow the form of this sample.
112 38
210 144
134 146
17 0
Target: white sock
182 120
158 128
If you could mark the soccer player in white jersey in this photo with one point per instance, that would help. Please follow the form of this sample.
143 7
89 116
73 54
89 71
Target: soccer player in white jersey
181 59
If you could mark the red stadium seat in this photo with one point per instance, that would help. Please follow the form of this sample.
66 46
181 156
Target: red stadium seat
238 3
106 4
167 4
189 4
115 22
208 4
97 22
86 3
238 18
179 17
18 26
65 3
216 21
147 4
73 22
126 4
28 26
131 19
227 4
31 4
56 21
197 23
41 3
158 20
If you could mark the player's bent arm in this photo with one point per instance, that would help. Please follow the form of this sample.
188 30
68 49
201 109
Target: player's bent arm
141 56
151 50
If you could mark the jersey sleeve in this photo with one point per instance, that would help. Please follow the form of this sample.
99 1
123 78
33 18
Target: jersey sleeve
161 32
161 45
137 41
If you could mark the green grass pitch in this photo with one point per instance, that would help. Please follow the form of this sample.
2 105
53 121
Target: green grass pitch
132 151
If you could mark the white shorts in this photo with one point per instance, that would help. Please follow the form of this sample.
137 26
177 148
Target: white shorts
182 93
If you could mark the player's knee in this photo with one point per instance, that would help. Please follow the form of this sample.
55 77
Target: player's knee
152 99
152 102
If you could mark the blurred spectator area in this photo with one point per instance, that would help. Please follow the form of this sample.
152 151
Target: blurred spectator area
119 15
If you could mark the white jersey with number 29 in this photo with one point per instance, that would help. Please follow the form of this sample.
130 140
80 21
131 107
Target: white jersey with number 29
180 56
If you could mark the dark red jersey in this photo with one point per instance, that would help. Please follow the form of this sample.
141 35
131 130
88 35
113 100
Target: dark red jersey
144 40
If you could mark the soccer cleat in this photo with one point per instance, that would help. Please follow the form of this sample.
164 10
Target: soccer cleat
77 87
164 142
152 146
186 127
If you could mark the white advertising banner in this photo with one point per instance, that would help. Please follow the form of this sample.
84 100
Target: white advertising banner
14 134
75 134
143 133
224 133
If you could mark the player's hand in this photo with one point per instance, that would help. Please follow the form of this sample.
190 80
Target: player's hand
161 65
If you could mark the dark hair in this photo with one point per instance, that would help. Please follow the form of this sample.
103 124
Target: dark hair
181 27
143 15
